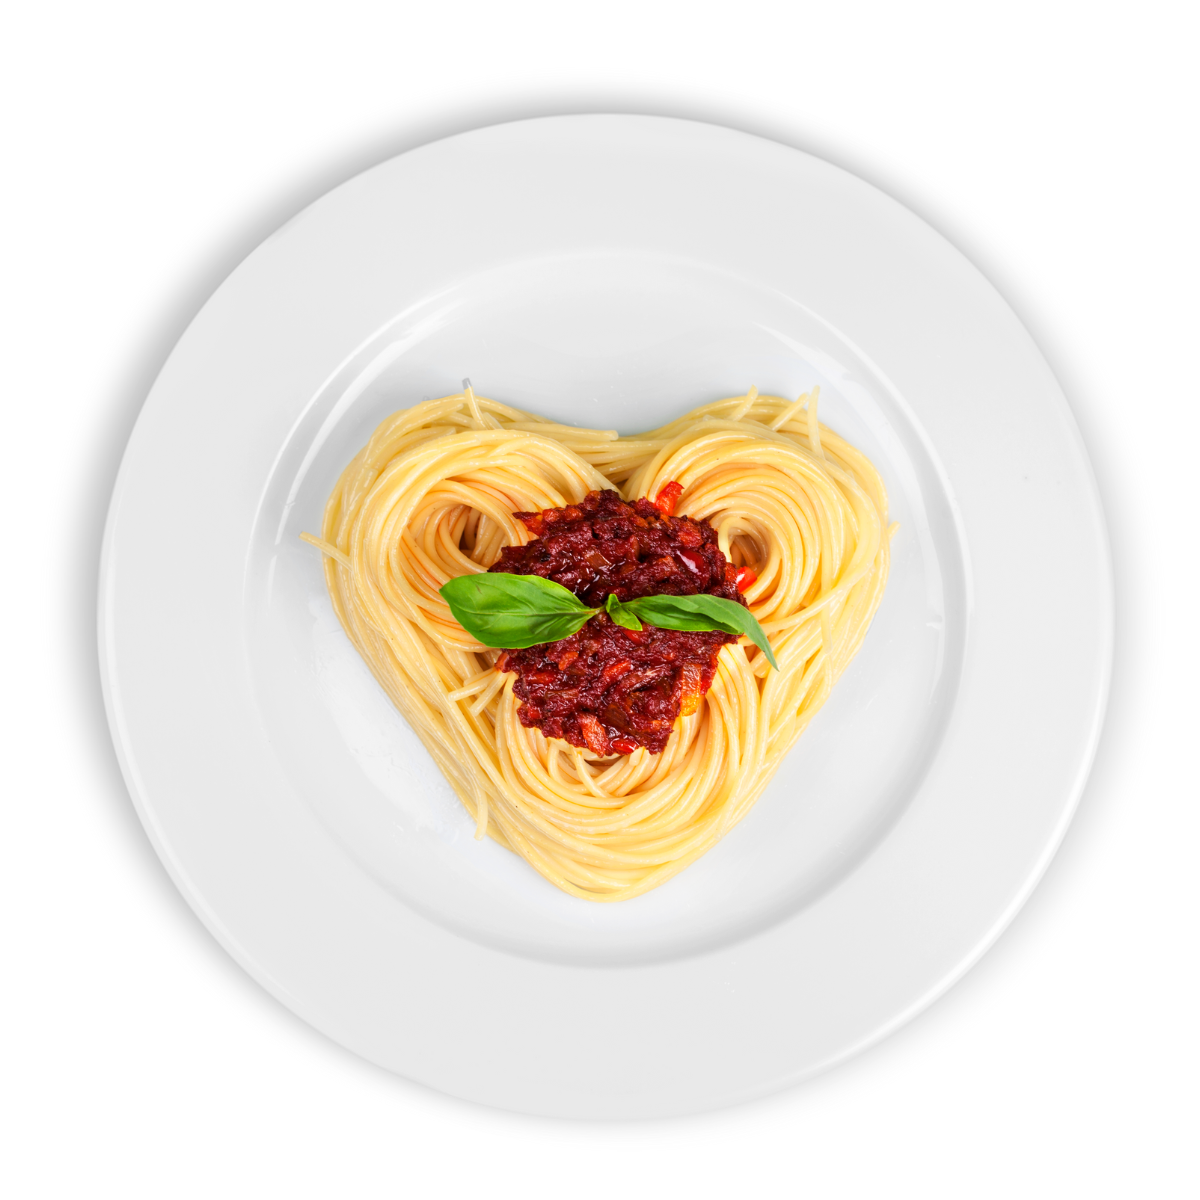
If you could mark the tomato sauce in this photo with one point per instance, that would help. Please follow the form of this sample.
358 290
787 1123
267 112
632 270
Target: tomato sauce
607 688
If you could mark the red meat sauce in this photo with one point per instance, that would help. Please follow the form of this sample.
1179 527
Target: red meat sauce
607 688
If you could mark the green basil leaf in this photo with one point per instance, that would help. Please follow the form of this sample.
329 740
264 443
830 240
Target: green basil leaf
511 612
698 613
620 613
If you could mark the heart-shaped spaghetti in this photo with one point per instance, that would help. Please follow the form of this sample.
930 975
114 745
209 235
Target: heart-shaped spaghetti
432 497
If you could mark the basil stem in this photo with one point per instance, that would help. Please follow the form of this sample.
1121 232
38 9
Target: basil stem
620 614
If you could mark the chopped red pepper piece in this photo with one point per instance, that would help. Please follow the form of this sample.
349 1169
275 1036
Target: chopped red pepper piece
623 745
668 497
593 734
691 689
614 671
745 578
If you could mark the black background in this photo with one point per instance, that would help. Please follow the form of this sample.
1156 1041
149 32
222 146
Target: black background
186 190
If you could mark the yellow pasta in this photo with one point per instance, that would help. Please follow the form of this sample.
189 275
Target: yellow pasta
431 497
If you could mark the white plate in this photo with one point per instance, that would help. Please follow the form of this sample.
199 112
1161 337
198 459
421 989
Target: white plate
608 271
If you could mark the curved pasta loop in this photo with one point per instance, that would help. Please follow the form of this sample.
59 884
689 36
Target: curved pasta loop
431 497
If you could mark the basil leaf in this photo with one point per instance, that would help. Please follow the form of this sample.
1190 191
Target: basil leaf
511 612
620 613
697 613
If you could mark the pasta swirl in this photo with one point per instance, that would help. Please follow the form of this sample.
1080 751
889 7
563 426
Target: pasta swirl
432 496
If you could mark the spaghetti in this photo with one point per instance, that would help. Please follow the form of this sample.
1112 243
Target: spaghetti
432 496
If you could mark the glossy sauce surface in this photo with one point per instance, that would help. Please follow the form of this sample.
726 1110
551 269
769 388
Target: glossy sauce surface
607 688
